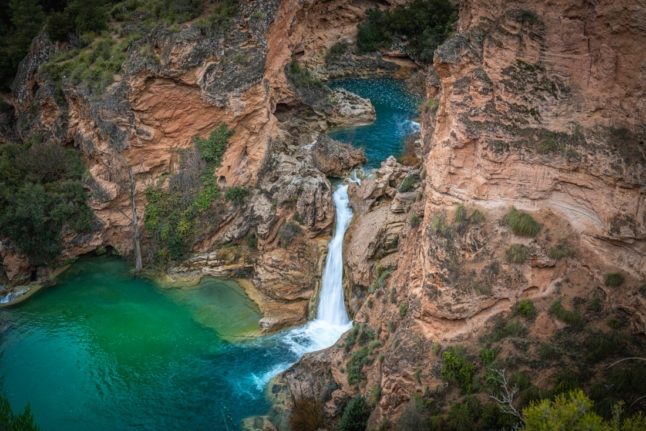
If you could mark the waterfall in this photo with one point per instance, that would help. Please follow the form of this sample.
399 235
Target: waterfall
331 307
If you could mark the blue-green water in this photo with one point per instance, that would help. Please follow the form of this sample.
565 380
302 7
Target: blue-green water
395 108
105 351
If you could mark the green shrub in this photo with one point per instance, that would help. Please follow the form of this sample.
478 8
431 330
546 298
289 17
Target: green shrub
613 279
355 365
381 280
355 415
431 105
457 368
212 149
41 192
237 195
476 217
415 416
521 223
561 250
526 308
571 317
517 253
574 411
288 233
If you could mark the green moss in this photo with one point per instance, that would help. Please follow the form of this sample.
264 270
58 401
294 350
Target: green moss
521 223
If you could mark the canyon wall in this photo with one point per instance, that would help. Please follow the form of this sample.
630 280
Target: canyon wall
537 106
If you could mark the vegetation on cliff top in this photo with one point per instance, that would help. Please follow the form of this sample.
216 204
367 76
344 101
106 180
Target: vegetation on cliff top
41 193
421 26
97 33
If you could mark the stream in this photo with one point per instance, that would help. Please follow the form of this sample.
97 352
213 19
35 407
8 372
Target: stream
102 350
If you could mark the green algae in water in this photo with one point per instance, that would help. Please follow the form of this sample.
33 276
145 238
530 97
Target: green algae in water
395 108
105 351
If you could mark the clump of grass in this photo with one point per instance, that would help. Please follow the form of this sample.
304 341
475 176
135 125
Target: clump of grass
562 250
302 77
409 183
521 223
517 253
613 279
336 51
571 317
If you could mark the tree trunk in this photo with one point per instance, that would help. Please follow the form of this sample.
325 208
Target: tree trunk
135 223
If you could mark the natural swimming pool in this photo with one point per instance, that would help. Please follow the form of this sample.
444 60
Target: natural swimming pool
103 350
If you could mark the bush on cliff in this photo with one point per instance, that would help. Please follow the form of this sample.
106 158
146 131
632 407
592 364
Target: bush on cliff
355 415
521 223
41 193
422 24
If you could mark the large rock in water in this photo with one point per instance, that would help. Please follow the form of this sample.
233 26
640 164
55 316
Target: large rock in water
335 158
350 109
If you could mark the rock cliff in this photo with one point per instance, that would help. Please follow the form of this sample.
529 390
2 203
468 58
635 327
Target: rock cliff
532 106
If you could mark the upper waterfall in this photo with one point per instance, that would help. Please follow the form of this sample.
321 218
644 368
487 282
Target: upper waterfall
331 306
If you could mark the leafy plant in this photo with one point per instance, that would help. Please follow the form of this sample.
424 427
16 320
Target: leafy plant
571 317
457 368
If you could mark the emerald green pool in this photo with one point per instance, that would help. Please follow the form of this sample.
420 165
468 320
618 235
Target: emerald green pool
105 351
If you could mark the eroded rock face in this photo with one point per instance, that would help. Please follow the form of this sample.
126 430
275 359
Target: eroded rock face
537 108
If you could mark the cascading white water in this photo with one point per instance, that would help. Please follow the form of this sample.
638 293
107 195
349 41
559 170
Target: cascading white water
331 307
331 317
